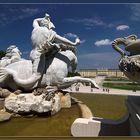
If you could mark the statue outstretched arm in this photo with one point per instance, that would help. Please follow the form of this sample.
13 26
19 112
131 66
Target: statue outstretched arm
65 41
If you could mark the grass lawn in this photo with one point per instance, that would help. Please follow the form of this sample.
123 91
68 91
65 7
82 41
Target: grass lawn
105 106
122 79
126 86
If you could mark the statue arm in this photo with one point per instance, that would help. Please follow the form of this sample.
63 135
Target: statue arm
36 22
65 41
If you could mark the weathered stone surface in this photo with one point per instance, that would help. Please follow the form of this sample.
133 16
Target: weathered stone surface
4 93
29 103
129 64
1 103
23 68
56 104
17 92
65 100
4 116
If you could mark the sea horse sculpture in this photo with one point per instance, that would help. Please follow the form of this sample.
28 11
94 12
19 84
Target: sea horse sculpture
129 63
18 75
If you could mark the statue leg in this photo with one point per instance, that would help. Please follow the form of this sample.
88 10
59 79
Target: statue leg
67 82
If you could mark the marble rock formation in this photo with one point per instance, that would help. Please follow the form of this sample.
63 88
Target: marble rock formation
29 103
39 101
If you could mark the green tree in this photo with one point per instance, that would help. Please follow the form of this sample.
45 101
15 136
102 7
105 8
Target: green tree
71 74
2 53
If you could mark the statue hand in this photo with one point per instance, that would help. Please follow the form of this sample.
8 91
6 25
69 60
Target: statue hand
77 42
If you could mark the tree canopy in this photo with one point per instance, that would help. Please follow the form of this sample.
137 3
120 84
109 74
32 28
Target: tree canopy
2 53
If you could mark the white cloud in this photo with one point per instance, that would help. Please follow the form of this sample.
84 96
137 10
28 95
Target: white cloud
30 10
74 36
82 41
135 12
26 12
103 42
20 12
70 35
87 21
122 27
90 22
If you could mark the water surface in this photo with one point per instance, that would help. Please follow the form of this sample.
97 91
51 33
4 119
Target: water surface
57 125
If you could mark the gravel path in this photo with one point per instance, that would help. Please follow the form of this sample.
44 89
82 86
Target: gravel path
87 89
99 80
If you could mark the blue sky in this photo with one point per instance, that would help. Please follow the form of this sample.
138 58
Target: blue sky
95 24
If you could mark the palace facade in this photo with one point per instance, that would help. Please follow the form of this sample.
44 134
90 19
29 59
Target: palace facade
99 72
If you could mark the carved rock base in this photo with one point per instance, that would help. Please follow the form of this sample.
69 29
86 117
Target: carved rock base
29 103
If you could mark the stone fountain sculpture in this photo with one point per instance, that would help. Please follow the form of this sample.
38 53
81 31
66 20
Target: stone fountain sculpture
51 59
129 63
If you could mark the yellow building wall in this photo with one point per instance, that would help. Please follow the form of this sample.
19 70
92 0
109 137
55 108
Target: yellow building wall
95 72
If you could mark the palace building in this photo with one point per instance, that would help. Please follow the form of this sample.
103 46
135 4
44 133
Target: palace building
101 72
